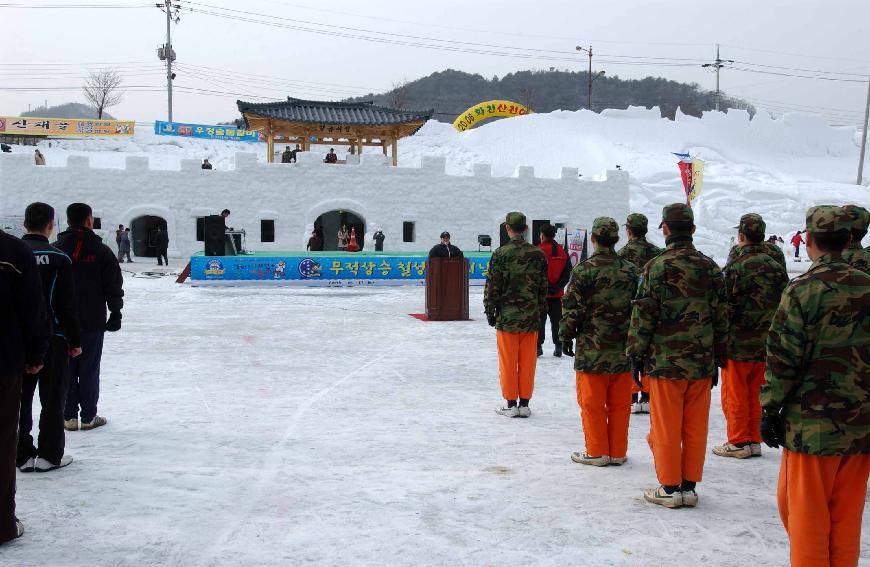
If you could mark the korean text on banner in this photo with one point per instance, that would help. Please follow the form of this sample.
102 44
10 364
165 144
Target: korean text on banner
208 131
489 109
55 127
577 246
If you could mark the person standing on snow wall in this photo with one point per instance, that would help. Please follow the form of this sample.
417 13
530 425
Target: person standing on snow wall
514 299
754 281
677 337
99 284
558 274
638 251
854 255
26 331
816 398
597 310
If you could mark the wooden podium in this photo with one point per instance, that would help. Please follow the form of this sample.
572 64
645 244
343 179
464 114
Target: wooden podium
447 289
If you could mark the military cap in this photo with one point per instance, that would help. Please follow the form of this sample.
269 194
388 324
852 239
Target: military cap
445 234
515 218
636 220
827 219
677 212
605 226
751 222
859 215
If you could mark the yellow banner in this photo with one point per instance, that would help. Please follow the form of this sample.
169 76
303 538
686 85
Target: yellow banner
488 109
697 179
31 126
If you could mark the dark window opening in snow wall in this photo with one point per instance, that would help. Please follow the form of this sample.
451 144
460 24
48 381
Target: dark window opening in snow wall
267 230
200 229
408 231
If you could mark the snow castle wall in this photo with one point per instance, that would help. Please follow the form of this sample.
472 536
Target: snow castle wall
294 195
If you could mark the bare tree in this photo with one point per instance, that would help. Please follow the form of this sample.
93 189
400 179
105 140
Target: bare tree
527 96
102 90
398 96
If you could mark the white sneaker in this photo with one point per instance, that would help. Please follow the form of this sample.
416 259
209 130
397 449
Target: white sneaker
585 459
616 461
729 450
28 465
71 424
755 449
525 411
690 498
512 411
98 421
19 528
44 465
662 498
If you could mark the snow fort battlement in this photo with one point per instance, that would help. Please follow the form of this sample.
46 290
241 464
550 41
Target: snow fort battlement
280 204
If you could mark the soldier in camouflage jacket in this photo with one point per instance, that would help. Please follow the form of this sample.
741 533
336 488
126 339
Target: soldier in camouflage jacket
596 311
678 330
768 248
817 397
856 256
639 251
754 282
514 298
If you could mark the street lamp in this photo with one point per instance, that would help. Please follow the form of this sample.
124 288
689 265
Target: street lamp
590 76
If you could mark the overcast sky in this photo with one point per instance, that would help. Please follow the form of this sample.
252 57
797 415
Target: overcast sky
47 48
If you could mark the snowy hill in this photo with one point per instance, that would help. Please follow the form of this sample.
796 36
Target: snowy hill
773 167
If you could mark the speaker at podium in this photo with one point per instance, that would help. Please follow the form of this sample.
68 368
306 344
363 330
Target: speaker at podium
215 229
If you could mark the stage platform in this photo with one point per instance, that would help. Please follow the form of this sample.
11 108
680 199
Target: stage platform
335 269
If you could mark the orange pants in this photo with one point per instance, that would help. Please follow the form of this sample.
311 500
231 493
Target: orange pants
821 502
740 384
605 407
517 357
678 414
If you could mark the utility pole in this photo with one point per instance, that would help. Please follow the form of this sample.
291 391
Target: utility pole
166 53
716 65
590 76
864 137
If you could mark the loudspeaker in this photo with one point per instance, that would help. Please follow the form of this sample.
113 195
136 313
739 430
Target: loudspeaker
215 235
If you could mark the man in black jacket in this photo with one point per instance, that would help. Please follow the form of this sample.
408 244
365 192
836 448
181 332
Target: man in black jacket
55 269
25 330
99 284
161 242
444 249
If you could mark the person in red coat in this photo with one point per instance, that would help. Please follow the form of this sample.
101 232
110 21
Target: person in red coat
558 274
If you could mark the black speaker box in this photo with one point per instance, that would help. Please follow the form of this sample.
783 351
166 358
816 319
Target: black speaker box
215 235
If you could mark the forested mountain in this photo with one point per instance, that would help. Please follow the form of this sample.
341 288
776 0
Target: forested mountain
450 92
68 110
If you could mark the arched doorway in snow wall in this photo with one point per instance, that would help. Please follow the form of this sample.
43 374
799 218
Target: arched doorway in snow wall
142 231
329 223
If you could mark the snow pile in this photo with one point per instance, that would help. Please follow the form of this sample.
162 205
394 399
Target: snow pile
776 168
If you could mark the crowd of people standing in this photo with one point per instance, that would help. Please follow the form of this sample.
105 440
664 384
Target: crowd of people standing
793 357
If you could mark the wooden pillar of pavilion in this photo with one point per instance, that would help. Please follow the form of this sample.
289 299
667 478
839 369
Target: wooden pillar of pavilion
270 144
395 152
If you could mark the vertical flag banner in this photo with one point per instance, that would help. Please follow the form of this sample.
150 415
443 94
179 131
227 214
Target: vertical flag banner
692 174
577 246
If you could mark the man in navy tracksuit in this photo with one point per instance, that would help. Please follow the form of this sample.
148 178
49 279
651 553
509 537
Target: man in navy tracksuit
26 329
99 284
58 289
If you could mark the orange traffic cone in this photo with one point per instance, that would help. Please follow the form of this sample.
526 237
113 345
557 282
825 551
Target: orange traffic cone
352 246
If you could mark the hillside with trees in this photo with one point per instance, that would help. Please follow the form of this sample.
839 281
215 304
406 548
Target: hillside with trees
68 110
450 92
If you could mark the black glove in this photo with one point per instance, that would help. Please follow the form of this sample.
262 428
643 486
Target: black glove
490 318
568 347
715 381
636 370
772 428
114 322
552 290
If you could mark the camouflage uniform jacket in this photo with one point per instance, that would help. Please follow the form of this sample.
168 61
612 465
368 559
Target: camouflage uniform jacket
768 248
639 251
754 284
679 321
516 286
596 310
818 360
857 257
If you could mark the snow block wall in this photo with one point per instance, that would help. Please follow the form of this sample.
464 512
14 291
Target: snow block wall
295 195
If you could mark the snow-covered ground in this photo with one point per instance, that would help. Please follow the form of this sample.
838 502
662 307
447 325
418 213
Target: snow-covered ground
776 168
326 426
